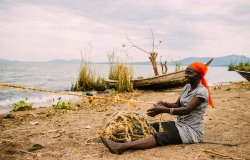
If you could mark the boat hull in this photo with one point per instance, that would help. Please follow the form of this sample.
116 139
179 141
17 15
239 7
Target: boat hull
244 74
171 80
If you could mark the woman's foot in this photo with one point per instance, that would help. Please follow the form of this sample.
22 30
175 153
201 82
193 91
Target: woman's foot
112 146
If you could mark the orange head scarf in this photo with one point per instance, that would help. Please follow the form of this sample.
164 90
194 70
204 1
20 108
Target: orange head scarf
202 70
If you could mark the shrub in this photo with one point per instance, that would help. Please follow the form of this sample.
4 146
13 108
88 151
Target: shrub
100 84
242 66
124 79
21 106
62 105
120 72
231 66
177 66
87 80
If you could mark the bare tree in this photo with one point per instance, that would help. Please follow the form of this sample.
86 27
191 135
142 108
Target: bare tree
152 54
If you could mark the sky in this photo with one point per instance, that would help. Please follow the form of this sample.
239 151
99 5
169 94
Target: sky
41 30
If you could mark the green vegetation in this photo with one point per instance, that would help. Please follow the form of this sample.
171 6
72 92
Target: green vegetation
231 66
120 72
62 105
114 91
88 80
21 106
242 66
177 66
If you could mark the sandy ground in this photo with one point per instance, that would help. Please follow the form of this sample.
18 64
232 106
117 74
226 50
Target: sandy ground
70 134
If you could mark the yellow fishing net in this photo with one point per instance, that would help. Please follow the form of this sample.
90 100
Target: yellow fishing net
126 127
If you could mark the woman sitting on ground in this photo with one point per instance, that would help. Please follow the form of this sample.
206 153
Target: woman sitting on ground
190 108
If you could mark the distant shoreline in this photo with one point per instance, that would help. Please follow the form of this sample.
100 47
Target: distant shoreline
68 62
218 61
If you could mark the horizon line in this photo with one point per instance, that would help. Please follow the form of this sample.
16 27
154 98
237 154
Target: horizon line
79 60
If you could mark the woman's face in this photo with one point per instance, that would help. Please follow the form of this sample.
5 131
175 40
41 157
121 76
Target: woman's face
191 75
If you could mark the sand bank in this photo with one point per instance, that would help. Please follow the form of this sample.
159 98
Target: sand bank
66 134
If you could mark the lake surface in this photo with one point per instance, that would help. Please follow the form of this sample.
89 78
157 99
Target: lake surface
60 76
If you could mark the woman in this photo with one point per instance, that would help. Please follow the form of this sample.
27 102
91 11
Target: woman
190 108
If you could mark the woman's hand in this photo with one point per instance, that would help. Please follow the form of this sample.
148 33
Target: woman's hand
157 109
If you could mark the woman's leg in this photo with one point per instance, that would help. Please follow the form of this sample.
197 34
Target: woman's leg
169 136
118 148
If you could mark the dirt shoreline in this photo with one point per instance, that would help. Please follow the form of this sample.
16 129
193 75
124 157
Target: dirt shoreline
70 134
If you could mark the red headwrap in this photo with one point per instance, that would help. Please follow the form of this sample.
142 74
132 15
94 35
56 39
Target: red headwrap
202 70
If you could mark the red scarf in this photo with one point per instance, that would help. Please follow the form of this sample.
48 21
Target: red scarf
202 70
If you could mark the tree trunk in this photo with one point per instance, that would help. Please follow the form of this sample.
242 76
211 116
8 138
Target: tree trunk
152 58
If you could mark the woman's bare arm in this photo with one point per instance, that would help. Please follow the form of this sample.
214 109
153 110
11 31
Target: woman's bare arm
170 105
182 110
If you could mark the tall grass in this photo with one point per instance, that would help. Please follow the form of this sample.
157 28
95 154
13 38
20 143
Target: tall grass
177 66
124 78
231 66
120 72
88 80
242 66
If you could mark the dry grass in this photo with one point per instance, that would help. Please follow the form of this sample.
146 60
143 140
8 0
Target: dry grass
120 72
124 78
88 80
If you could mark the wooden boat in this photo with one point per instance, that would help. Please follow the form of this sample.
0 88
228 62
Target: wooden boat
244 74
171 80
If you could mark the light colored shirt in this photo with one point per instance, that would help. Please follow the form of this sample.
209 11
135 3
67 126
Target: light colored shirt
190 126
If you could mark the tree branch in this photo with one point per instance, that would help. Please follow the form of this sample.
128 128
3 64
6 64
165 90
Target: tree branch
134 45
153 39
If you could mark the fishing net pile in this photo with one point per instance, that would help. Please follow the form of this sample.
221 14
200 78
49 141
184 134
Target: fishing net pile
126 127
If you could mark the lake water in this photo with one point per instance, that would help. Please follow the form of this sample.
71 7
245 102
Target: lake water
59 76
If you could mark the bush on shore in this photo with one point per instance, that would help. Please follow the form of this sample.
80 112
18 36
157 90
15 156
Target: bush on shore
242 66
21 106
122 73
62 105
87 80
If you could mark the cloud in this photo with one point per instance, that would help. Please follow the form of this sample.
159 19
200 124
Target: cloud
49 32
43 30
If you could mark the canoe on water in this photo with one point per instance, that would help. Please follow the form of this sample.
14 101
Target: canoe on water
170 80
